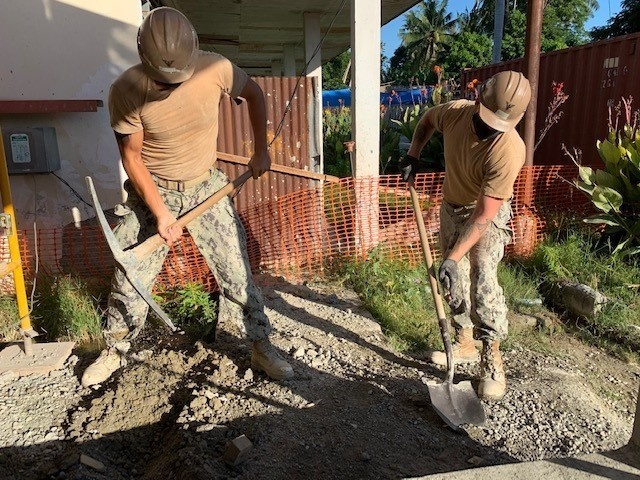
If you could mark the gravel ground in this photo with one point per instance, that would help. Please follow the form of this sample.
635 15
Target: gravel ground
356 409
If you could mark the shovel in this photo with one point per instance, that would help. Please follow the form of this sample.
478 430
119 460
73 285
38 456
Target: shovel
457 404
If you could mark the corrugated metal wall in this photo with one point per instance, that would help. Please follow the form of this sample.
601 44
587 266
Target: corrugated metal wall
595 76
289 104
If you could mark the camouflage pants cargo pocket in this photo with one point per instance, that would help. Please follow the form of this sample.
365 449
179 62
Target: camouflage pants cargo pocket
479 270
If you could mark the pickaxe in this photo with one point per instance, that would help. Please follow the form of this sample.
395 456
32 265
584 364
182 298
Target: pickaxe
128 259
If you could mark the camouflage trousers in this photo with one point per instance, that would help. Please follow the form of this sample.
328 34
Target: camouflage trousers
479 270
219 235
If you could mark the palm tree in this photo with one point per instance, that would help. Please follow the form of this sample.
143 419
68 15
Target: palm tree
426 32
477 20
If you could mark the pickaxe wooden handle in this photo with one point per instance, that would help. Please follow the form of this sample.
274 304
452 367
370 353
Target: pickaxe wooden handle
152 243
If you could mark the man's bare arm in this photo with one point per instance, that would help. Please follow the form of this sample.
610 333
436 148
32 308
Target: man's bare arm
260 160
422 134
130 147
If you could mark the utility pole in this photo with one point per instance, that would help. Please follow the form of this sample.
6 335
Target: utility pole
498 29
532 71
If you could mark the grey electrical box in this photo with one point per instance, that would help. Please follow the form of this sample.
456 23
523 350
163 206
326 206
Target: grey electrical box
31 150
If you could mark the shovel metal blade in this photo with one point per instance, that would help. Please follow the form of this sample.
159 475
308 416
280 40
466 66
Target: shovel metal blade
457 404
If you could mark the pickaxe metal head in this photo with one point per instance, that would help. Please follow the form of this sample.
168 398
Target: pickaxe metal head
125 260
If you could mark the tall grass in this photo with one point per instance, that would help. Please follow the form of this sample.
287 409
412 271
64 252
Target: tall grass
399 297
68 309
64 309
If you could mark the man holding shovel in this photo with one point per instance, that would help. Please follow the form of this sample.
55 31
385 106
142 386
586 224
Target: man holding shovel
164 112
483 156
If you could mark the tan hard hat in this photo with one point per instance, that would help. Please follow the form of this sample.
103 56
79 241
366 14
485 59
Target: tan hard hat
503 100
168 45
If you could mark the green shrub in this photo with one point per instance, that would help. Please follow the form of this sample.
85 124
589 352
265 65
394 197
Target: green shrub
191 308
337 130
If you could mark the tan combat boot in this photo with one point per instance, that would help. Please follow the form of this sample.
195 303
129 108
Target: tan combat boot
103 367
464 350
265 358
493 381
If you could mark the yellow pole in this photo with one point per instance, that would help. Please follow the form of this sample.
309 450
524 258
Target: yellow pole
14 248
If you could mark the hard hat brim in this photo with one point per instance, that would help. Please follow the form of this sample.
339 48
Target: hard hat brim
170 78
495 122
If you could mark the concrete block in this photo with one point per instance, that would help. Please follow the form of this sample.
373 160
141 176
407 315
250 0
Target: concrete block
46 357
236 450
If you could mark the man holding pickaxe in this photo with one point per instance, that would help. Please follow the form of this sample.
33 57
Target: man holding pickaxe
164 112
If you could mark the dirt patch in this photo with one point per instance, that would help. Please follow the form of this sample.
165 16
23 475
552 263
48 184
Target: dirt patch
356 409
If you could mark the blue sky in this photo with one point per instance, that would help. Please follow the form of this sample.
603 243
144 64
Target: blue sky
389 33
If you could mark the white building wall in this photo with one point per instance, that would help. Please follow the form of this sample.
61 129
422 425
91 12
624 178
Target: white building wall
66 50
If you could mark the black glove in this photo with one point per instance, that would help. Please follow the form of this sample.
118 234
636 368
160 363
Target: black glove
408 167
448 275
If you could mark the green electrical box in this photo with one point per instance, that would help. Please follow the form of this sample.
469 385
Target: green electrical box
31 150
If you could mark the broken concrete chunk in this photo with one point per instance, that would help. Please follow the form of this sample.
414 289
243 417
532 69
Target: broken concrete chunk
577 298
236 450
92 463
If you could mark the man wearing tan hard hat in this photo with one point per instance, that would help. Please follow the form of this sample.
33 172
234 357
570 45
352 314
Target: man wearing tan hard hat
164 112
483 156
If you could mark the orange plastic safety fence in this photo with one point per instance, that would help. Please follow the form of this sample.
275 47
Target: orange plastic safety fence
299 234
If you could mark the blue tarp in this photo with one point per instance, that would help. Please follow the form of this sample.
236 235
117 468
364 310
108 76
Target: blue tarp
337 98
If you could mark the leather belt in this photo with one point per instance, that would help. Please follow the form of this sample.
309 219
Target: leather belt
461 208
181 185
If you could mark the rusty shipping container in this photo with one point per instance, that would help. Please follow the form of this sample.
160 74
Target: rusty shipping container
596 77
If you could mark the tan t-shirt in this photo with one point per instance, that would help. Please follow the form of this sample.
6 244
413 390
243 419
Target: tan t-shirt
180 126
472 166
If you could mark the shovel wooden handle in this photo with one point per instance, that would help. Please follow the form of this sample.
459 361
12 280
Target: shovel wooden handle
154 242
433 281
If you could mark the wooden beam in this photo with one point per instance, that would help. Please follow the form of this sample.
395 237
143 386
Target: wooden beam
48 106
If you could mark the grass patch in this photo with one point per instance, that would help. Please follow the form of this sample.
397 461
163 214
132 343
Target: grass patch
67 309
399 297
9 320
578 257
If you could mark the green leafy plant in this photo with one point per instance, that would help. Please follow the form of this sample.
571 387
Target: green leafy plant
615 190
191 307
336 123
